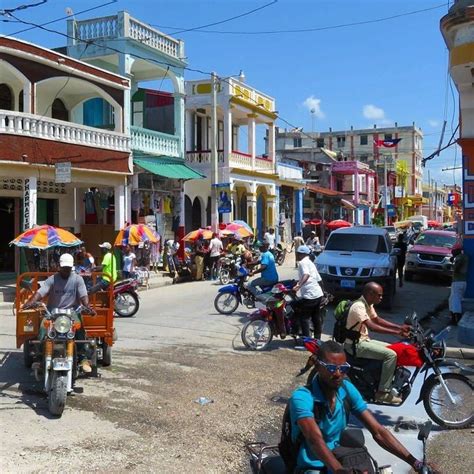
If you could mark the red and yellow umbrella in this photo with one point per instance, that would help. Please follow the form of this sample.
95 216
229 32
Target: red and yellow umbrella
136 233
239 228
206 234
46 236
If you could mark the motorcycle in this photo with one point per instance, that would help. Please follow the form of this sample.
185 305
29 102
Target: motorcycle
279 253
126 301
229 297
179 269
53 356
446 396
228 268
266 459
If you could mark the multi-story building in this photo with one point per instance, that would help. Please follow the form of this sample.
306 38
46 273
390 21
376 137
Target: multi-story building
435 203
55 166
153 114
256 182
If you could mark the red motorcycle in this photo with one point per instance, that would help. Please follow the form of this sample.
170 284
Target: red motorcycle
126 301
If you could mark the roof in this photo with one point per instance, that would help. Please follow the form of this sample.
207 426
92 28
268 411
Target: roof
321 190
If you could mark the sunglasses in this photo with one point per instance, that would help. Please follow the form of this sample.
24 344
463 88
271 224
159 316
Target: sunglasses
332 368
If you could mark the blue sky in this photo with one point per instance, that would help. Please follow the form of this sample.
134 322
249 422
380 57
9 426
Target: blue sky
382 72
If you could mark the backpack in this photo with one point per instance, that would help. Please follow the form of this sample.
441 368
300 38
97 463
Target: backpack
288 448
341 332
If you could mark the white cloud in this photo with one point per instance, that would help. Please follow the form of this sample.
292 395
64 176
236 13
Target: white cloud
433 123
314 106
373 112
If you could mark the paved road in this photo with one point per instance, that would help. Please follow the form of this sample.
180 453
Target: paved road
181 315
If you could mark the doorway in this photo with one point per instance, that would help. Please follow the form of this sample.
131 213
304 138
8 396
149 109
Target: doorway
7 218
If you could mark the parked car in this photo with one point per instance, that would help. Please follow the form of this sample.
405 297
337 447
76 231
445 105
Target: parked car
392 232
431 254
356 255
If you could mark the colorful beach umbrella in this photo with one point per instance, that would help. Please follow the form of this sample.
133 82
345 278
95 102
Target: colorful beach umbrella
46 236
206 234
136 233
243 224
338 224
239 228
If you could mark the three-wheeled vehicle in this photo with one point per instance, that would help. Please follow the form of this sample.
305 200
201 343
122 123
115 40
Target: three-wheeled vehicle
50 342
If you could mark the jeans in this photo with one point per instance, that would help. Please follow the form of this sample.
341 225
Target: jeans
458 289
100 285
379 351
199 261
259 282
306 310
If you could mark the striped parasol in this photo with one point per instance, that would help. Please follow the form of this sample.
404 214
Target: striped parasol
136 233
46 236
206 234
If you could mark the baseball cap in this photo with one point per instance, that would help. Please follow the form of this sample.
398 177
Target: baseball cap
303 249
105 245
66 260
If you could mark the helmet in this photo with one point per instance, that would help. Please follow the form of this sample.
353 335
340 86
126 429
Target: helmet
304 249
278 288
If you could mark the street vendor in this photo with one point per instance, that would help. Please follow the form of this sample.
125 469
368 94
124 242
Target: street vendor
108 269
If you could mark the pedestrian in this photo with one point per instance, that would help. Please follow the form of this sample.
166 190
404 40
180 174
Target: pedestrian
297 242
108 268
129 262
85 260
267 268
458 286
215 250
310 293
402 245
200 254
269 238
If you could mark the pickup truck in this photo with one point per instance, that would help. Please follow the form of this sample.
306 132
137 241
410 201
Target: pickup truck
356 255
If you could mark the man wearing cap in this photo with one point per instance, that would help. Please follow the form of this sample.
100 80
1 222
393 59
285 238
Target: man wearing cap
108 269
267 268
310 293
65 290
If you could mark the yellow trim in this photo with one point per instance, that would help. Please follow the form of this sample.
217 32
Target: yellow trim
462 54
252 115
290 184
254 173
258 110
205 88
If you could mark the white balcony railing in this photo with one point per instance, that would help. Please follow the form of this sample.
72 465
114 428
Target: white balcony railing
19 123
153 142
203 157
123 25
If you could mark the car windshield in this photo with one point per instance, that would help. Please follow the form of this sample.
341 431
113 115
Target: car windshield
356 243
436 240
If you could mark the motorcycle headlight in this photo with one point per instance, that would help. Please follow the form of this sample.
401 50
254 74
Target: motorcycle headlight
380 271
322 268
62 324
438 350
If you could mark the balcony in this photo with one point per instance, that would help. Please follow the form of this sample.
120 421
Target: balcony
203 157
156 143
237 159
34 126
121 26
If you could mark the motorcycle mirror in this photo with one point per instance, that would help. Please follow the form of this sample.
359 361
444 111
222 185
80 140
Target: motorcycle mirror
425 431
352 438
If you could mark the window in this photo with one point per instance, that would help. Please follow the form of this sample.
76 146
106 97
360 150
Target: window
364 140
297 143
387 136
21 105
341 141
6 97
356 243
59 110
320 142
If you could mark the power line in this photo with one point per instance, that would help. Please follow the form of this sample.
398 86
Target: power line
7 11
307 30
223 21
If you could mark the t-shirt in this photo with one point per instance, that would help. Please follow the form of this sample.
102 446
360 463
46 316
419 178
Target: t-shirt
461 262
270 273
298 241
269 239
63 293
109 267
128 262
331 424
215 247
311 288
360 311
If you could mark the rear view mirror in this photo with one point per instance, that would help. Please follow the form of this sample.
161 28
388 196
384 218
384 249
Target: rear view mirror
425 431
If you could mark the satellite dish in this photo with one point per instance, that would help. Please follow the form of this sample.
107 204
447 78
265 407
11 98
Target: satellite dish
69 11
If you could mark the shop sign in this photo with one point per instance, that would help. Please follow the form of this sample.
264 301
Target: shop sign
26 205
398 191
224 204
63 172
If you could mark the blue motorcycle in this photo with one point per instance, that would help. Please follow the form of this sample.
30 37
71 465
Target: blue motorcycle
229 297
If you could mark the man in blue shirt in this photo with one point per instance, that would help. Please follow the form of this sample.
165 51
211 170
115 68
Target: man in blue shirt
329 389
267 268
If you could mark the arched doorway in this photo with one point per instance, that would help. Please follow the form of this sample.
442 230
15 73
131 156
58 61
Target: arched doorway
261 212
188 214
59 111
6 97
197 214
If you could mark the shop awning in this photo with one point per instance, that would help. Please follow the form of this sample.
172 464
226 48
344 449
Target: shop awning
167 167
347 204
324 191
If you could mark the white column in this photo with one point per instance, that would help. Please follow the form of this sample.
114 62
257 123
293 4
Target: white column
27 98
189 125
271 145
251 137
128 202
179 121
119 201
125 63
224 170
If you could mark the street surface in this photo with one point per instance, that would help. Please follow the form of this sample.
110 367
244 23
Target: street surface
141 414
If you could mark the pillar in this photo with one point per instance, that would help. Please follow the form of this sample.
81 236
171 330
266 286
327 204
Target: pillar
224 170
251 138
272 212
298 207
180 232
27 96
189 138
271 146
125 63
252 210
119 202
179 121
356 196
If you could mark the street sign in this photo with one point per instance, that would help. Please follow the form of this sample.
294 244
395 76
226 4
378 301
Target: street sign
63 172
223 198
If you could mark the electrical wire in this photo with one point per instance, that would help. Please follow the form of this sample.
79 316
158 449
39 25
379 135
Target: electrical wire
186 30
7 11
308 30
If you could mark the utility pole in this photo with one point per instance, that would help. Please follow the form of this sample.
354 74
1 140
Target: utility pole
385 190
214 161
429 195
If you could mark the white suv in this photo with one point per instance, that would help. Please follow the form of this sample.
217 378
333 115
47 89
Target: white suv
356 255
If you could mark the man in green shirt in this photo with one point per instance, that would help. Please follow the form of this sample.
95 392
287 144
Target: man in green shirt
458 286
108 269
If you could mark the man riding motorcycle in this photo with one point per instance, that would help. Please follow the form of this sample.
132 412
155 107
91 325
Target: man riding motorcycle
329 389
65 290
361 318
267 267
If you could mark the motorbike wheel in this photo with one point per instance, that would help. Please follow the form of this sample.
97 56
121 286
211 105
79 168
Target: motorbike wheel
27 357
281 257
58 394
439 407
126 304
257 334
224 276
106 355
226 303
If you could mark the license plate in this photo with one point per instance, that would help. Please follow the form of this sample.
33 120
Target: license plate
61 364
348 284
